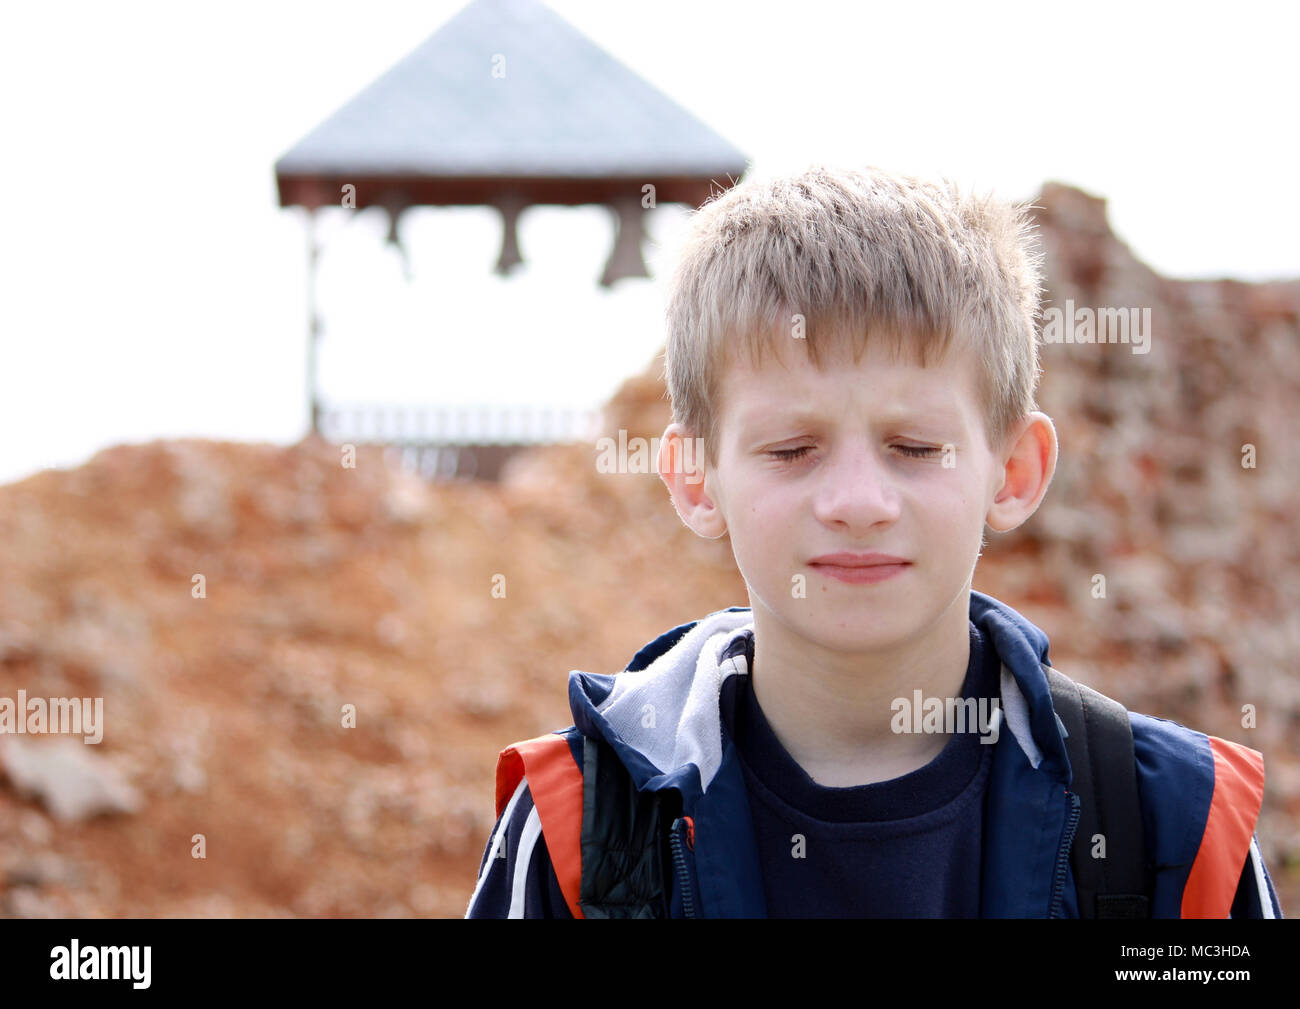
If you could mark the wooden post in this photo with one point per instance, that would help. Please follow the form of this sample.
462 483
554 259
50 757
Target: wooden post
313 322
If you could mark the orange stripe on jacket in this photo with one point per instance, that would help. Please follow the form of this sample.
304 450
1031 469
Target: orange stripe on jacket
1225 843
555 783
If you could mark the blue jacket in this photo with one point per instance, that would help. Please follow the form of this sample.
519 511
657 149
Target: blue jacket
1200 795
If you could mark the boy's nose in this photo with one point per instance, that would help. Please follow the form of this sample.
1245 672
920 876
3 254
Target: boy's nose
857 490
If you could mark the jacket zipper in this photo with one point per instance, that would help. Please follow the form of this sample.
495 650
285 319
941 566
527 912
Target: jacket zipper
1063 855
678 837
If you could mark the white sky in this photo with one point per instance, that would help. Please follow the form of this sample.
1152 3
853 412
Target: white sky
152 288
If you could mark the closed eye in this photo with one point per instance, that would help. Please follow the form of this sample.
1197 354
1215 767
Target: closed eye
914 451
917 451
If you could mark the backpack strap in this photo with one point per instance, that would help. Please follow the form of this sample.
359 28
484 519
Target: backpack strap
605 839
1099 743
555 784
623 848
1229 827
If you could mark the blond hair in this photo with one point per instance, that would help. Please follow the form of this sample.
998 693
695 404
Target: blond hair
850 256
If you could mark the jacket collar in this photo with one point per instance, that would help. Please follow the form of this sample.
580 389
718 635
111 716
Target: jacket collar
662 716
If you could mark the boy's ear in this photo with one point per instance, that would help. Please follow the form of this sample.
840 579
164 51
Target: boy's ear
1029 460
682 468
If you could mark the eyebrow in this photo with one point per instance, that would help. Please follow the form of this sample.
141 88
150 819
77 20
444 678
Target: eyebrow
803 415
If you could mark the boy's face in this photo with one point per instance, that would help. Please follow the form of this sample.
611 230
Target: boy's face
879 456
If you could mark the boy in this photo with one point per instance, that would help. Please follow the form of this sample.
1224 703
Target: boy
855 354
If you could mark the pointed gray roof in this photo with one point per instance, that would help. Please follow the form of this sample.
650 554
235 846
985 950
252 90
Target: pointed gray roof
509 88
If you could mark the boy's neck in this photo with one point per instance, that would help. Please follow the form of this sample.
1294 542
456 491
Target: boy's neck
833 712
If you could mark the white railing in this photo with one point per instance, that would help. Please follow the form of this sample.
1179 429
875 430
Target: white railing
447 442
453 425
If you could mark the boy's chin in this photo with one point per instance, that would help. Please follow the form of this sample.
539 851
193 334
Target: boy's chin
855 630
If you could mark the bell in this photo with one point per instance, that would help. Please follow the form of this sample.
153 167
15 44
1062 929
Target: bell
625 260
395 211
509 206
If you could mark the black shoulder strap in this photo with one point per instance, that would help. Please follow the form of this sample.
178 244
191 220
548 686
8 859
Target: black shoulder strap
1099 743
622 843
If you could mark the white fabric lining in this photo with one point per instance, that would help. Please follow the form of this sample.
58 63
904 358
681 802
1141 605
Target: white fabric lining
669 710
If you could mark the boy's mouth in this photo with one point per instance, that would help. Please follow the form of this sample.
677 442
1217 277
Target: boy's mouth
859 568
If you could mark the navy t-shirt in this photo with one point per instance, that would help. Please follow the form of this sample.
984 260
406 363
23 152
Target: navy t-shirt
909 847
